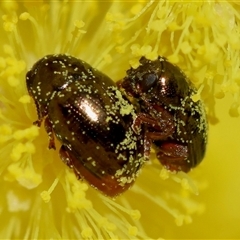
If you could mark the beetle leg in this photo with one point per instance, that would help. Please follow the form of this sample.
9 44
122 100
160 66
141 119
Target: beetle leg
161 128
49 130
174 157
119 83
142 118
67 159
38 122
41 114
147 146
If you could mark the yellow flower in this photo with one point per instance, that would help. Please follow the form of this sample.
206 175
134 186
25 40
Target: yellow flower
41 198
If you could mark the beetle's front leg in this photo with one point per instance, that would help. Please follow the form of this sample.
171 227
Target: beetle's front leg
154 129
49 130
41 112
157 129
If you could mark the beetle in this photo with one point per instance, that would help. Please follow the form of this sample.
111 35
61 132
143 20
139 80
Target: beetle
91 118
175 125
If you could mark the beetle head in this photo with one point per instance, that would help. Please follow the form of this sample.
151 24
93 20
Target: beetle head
156 81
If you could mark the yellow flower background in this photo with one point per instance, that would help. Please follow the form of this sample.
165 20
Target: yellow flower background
41 198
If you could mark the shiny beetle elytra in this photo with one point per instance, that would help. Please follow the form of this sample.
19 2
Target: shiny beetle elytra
173 123
91 118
